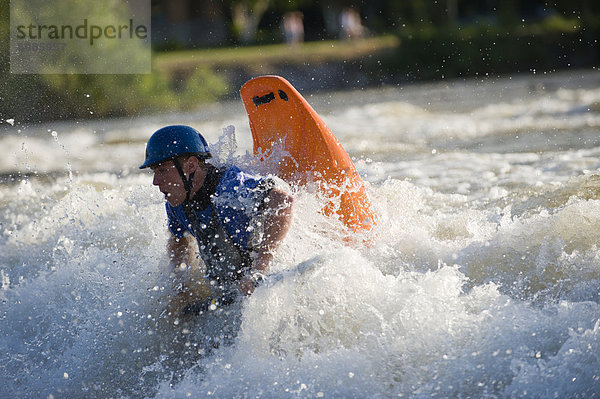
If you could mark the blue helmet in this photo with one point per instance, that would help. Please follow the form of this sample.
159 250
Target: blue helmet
173 141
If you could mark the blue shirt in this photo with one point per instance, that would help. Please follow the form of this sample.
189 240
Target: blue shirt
237 201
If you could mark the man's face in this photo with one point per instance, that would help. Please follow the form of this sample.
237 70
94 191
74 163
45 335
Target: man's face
169 182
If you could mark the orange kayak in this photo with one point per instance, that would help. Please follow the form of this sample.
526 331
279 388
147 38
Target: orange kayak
288 132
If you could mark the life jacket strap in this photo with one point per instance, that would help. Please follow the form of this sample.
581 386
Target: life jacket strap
187 181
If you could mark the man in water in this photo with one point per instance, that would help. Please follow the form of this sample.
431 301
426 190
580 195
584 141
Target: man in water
237 219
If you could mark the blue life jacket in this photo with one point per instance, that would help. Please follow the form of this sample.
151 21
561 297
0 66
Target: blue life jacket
220 217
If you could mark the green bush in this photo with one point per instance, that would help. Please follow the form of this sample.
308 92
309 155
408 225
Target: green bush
36 98
202 86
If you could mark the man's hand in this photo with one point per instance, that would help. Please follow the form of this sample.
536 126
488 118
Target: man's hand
191 293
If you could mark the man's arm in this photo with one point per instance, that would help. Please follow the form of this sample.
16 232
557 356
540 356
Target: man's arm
278 218
190 284
180 252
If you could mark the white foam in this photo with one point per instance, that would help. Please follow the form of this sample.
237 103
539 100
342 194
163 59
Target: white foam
480 279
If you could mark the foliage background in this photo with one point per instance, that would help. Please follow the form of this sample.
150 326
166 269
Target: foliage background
36 98
441 39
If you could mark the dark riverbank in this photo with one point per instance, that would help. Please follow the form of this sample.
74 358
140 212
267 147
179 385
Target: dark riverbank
184 80
429 56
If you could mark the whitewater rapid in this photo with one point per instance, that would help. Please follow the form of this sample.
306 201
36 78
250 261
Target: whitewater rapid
481 279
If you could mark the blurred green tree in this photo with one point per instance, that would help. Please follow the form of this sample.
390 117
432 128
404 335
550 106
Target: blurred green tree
69 94
247 14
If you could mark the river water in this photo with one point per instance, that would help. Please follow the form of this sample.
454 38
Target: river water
481 279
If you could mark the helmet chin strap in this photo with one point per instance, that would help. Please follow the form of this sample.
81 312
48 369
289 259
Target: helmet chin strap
187 181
